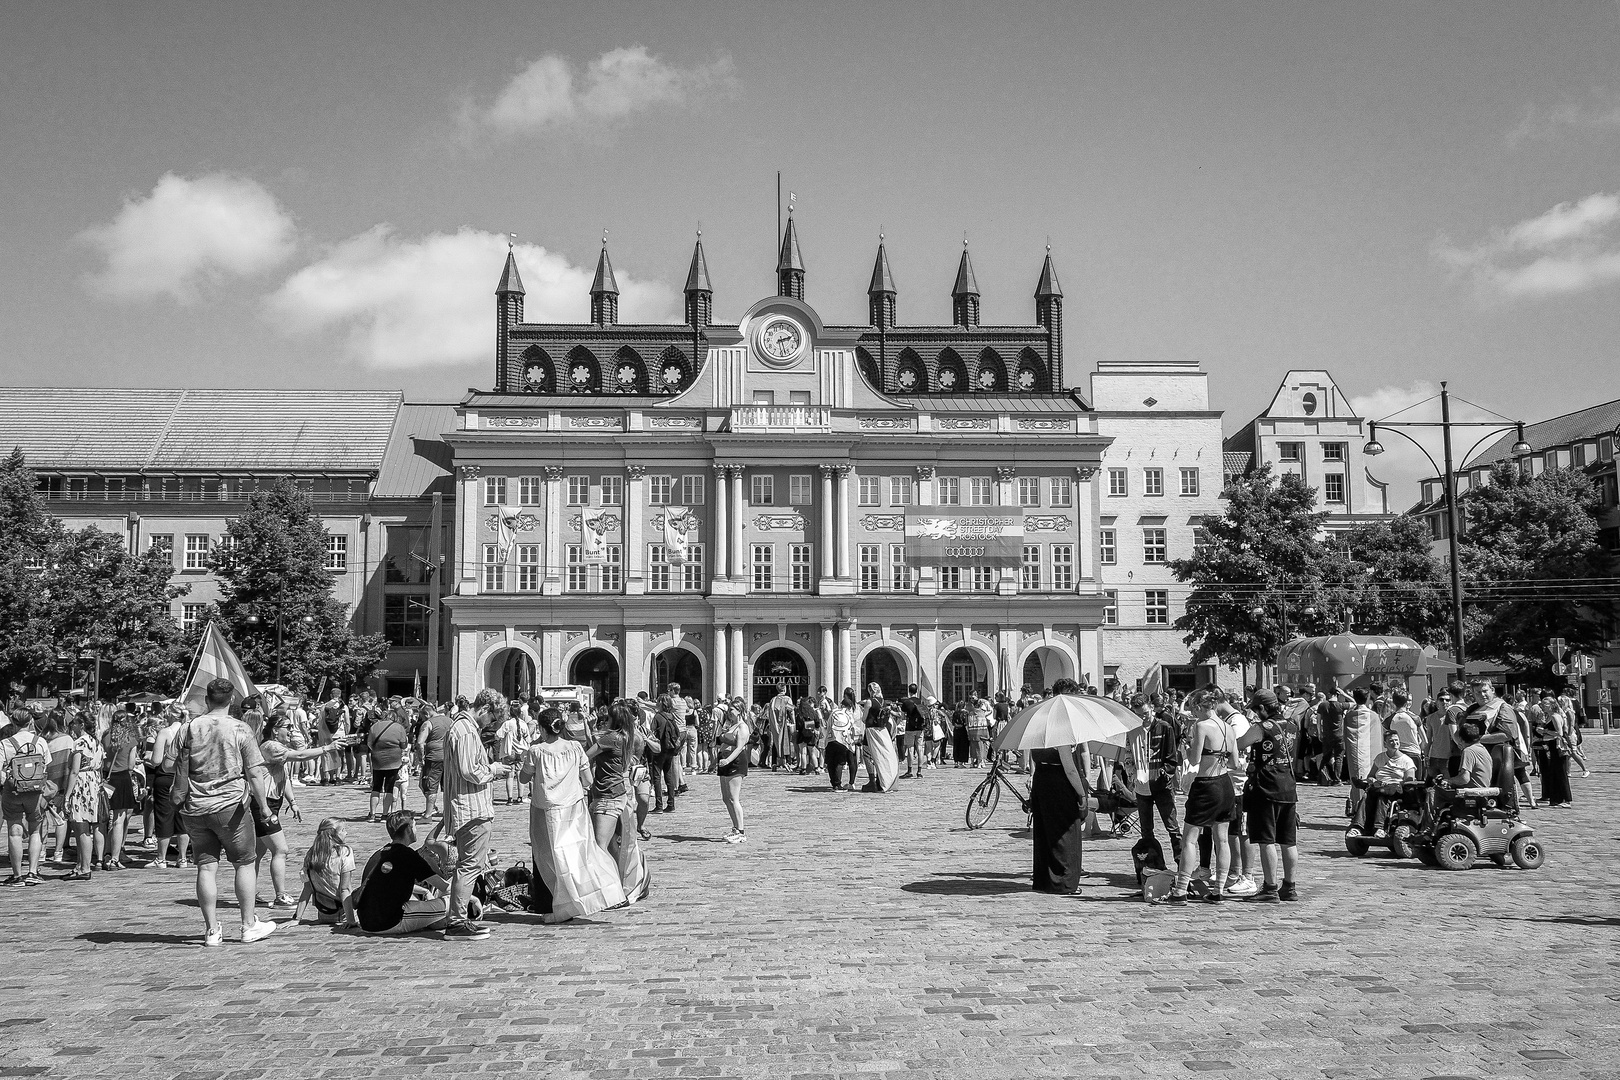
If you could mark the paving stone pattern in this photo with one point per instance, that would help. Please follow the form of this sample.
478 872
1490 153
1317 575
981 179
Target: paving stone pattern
855 935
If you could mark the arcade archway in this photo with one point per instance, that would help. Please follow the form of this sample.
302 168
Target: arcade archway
678 665
887 668
780 669
511 671
1044 666
597 669
963 670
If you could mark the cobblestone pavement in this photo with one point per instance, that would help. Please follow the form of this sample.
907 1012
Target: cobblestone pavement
858 934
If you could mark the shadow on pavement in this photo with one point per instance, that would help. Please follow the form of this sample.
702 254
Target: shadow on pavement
1567 920
967 887
679 839
126 937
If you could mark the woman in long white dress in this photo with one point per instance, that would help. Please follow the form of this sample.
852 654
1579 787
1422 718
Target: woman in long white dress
882 763
576 874
613 798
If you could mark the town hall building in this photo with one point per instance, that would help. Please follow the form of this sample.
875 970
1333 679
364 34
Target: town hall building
777 503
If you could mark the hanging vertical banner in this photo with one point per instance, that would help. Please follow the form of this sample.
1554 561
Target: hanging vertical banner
677 523
963 536
506 530
593 535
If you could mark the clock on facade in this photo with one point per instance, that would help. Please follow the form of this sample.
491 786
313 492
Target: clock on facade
780 341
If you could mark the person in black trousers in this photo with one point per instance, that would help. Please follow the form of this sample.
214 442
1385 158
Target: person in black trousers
665 778
1159 743
1057 802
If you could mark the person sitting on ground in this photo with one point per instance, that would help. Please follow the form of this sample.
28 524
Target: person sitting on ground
400 892
329 873
1392 767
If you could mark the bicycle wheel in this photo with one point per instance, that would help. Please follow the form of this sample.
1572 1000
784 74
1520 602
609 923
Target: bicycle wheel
982 803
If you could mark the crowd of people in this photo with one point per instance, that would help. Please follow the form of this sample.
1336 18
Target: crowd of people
1218 770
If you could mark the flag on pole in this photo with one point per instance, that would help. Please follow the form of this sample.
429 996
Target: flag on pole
1153 680
215 659
416 688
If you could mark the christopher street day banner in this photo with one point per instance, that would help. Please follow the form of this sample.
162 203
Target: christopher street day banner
963 536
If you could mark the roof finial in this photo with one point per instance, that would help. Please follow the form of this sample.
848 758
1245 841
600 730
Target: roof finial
792 195
511 241
964 239
880 234
604 238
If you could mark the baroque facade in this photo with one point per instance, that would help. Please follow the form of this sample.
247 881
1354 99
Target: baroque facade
776 503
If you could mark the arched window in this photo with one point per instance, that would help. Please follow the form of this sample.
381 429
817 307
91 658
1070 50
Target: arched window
629 374
539 377
953 376
869 368
584 376
673 373
1031 373
991 375
910 377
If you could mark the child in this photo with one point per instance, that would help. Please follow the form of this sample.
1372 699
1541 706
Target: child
1391 767
328 872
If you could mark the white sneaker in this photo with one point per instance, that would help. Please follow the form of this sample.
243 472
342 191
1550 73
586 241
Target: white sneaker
214 938
296 783
258 931
1243 886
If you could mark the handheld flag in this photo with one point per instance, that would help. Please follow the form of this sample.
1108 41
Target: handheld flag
215 659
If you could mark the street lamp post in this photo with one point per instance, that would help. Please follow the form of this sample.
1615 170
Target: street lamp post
1449 478
281 622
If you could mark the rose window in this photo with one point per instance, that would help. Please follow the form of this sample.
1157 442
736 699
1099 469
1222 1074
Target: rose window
581 375
672 376
987 379
534 376
947 379
908 379
627 376
1026 379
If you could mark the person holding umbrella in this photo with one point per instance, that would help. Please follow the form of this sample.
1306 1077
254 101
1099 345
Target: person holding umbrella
1055 732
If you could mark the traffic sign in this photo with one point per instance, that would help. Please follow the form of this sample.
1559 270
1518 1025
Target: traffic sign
1604 696
1560 669
1556 647
1587 664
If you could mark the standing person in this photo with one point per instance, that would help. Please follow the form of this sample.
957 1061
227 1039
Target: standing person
165 814
85 803
841 743
781 729
269 839
613 755
807 733
1057 806
1505 742
122 745
1574 721
386 741
1210 752
61 747
914 723
668 731
223 772
25 791
1551 741
882 764
1157 742
978 729
960 739
1444 756
1330 713
469 810
573 876
684 716
1361 734
430 749
330 723
708 726
731 765
1272 798
934 735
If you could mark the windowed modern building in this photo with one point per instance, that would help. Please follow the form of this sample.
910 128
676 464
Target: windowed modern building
778 502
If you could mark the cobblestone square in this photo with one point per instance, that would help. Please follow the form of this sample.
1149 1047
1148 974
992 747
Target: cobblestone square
856 935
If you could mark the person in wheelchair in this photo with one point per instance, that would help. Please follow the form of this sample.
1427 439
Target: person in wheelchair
1476 768
1390 770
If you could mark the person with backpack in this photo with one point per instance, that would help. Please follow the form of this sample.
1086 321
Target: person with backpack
668 731
25 789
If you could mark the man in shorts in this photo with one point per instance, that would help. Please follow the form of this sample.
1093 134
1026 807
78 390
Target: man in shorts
1271 797
430 749
24 793
224 769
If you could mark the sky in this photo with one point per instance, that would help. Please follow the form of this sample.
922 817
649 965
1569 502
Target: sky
318 195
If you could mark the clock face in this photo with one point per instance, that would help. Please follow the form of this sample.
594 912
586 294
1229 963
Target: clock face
781 340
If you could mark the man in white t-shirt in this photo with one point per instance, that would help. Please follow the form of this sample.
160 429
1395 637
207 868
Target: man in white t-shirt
25 758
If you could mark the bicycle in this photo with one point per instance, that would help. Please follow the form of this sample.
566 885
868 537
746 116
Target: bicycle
982 803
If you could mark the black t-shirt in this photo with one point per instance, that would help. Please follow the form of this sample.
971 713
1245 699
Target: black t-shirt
392 873
1331 713
1271 761
911 709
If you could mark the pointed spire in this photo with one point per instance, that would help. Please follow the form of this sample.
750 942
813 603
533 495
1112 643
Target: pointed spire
697 278
1048 285
882 277
511 283
604 282
790 264
965 285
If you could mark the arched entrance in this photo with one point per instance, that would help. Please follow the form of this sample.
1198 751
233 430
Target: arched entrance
1045 666
780 669
597 669
962 671
511 671
886 668
678 665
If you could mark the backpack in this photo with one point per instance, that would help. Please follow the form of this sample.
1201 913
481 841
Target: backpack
29 768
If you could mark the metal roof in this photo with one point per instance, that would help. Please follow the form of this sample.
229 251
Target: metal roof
418 461
1559 431
189 430
990 403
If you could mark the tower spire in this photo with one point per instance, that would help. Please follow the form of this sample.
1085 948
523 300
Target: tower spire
508 313
604 290
789 262
881 293
1049 313
965 293
699 293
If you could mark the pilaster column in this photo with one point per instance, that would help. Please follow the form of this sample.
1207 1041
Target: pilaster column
845 675
739 666
829 663
552 585
829 513
1087 535
720 657
927 576
722 524
635 553
737 552
844 524
1007 579
471 499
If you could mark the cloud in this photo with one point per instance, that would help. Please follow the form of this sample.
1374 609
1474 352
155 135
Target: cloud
1568 249
188 234
1602 111
549 93
403 303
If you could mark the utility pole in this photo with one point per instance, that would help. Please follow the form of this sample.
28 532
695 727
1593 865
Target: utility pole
434 576
1458 656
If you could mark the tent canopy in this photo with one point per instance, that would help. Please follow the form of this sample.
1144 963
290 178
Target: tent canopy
1349 659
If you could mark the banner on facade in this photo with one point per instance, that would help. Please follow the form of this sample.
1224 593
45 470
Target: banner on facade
677 524
965 536
593 536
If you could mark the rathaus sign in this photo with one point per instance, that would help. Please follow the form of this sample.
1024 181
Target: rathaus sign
781 503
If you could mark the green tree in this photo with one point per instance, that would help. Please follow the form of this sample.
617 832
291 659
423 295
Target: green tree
1531 564
1380 577
272 569
26 532
1258 564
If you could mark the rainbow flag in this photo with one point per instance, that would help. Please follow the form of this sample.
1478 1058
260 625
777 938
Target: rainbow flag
215 659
